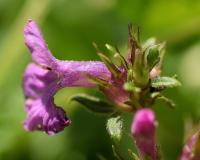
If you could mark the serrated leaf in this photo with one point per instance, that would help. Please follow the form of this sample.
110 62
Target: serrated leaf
94 104
115 127
165 82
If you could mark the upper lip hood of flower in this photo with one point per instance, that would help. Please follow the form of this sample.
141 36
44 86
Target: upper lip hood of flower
43 78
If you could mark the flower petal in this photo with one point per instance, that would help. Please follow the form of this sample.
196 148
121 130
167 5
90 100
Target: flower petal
36 79
40 85
50 120
37 46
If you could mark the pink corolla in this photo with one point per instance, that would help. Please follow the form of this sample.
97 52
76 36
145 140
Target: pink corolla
46 75
43 78
144 131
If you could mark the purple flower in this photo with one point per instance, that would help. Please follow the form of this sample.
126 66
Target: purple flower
191 150
43 78
143 130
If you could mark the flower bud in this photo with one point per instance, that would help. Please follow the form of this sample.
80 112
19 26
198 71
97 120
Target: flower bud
143 130
191 150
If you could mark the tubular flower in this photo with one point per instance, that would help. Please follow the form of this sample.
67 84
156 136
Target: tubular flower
191 150
143 130
43 78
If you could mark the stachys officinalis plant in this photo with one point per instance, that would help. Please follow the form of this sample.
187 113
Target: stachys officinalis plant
132 85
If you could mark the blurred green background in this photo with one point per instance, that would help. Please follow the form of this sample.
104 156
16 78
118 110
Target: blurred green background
69 27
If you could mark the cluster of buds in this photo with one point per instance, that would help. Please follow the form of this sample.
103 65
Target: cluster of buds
135 81
132 84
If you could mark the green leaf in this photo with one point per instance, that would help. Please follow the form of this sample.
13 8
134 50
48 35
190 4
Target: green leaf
115 128
94 104
153 56
165 82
